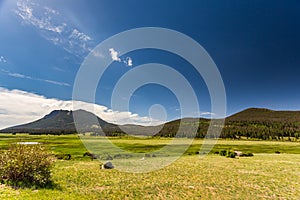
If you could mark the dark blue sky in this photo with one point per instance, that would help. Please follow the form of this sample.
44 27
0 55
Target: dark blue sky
255 45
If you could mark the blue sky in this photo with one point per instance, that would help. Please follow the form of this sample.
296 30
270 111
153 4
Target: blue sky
255 45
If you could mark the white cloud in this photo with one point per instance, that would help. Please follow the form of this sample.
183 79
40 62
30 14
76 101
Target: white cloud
2 59
129 62
114 55
207 113
18 75
54 82
18 107
25 11
55 27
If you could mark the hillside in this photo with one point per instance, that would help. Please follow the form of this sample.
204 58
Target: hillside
263 124
262 114
251 123
62 122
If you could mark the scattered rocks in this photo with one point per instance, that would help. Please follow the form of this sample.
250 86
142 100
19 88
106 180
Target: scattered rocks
91 155
119 156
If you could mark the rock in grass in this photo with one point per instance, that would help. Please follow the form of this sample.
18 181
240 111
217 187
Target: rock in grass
108 165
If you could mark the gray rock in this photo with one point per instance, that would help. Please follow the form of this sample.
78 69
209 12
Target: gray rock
108 165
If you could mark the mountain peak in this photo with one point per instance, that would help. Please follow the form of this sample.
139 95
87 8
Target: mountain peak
57 112
59 121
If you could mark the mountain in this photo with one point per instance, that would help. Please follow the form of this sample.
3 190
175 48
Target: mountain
251 123
263 124
62 122
259 123
262 114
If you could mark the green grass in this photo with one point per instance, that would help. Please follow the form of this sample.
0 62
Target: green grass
73 145
214 177
265 176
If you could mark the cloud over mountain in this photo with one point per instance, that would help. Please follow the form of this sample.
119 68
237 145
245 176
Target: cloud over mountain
18 107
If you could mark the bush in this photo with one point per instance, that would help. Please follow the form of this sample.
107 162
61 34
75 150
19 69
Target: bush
63 156
26 166
247 155
223 153
230 154
91 155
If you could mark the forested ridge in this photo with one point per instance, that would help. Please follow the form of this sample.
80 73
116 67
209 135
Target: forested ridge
252 123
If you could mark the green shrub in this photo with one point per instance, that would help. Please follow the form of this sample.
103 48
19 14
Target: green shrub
247 155
26 166
63 156
223 153
231 154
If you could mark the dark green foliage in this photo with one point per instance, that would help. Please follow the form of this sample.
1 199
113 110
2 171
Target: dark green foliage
91 155
63 156
223 153
230 154
26 166
233 154
247 155
253 123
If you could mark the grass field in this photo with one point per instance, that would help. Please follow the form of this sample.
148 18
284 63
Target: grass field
265 176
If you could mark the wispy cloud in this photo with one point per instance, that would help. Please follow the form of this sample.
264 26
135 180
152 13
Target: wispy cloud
18 107
25 12
80 36
58 69
2 59
54 82
18 75
54 27
115 57
207 113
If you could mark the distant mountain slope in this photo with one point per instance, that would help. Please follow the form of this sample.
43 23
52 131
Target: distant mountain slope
62 121
263 124
262 114
251 123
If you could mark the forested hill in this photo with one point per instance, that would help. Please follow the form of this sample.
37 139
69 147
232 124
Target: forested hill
257 123
263 124
265 115
251 123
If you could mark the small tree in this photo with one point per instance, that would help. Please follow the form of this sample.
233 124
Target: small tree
26 166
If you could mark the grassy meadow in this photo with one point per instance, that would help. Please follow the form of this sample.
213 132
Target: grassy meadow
265 176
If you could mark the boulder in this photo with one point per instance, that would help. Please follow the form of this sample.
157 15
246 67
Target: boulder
108 165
